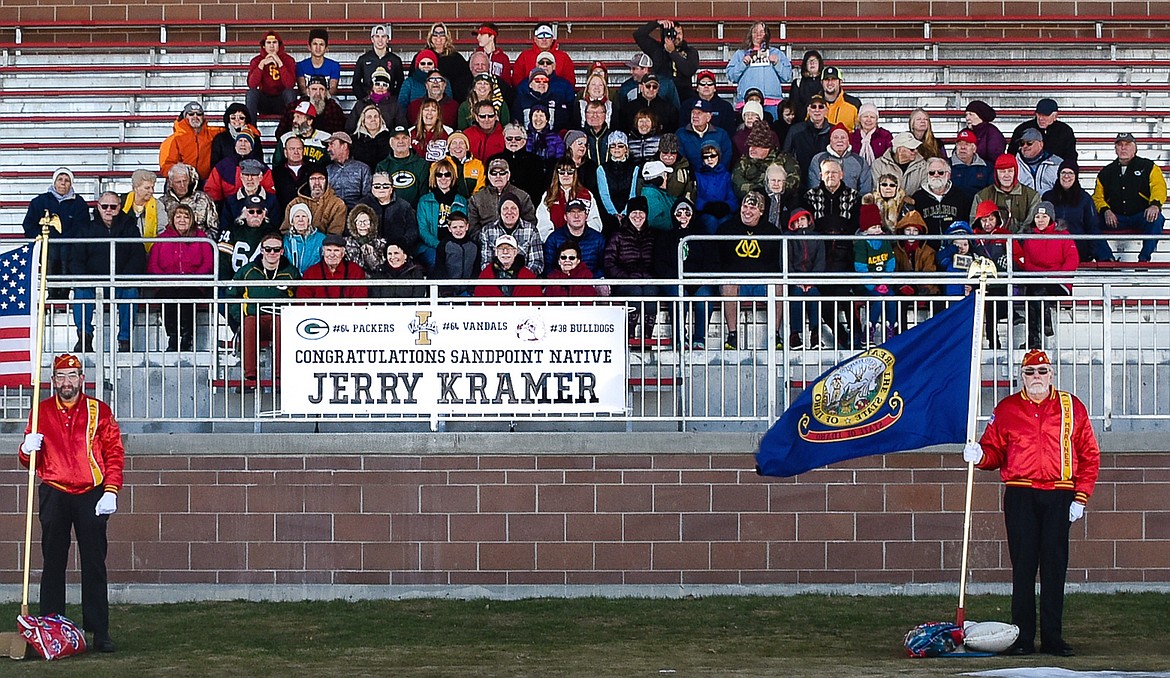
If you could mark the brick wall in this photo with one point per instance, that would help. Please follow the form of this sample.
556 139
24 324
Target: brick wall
586 519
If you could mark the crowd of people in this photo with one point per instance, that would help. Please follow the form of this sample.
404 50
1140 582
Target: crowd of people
463 163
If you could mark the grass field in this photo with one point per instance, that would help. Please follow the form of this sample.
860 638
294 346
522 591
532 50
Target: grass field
717 636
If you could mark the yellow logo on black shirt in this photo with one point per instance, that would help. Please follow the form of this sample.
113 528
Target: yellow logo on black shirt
747 249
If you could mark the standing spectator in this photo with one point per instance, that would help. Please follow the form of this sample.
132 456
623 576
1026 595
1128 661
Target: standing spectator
660 204
675 259
73 212
1017 202
759 65
435 207
110 229
183 260
485 37
806 254
261 321
302 243
596 128
458 256
393 217
672 57
451 63
923 131
616 180
236 119
836 211
79 460
327 210
190 142
782 198
904 162
239 243
371 138
858 174
869 140
526 237
225 176
989 141
939 201
349 178
405 168
1056 253
380 97
543 40
714 196
318 65
843 108
874 256
1059 138
1077 214
968 170
272 78
811 136
991 243
748 255
1130 192
808 85
330 268
180 189
484 204
959 245
1042 442
363 245
378 57
1038 169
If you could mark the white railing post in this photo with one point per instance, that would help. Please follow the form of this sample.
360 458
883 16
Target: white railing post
1107 356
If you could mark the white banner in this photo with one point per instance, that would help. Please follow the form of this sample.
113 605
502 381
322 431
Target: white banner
453 360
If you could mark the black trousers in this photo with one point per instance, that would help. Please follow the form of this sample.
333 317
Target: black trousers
1037 532
60 513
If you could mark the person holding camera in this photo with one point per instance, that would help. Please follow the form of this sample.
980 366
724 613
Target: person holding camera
759 65
673 58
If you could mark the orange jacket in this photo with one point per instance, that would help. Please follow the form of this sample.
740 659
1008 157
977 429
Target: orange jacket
1033 445
188 146
82 448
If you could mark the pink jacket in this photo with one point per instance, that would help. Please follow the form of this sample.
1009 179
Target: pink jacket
181 258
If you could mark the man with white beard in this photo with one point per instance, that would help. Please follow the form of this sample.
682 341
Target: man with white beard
303 118
938 201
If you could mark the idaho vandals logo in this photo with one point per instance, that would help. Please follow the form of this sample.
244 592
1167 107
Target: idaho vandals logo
854 400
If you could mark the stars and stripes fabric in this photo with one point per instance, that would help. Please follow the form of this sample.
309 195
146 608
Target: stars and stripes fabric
18 288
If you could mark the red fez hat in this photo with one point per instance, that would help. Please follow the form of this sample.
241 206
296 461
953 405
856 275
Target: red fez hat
66 361
1035 357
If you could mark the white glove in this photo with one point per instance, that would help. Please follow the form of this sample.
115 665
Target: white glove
973 452
1076 511
107 504
32 442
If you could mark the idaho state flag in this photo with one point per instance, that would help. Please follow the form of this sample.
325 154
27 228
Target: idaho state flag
908 393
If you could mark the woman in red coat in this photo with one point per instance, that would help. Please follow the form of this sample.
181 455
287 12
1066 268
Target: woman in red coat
1057 252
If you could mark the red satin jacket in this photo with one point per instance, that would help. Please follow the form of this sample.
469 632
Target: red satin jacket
82 448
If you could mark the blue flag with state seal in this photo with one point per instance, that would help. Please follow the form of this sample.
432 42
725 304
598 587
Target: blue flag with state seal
907 393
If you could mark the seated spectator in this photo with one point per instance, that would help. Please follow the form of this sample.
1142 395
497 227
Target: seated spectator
365 71
438 90
251 177
673 259
110 228
333 267
398 265
500 64
450 63
543 140
70 209
291 174
190 142
569 267
180 189
482 90
723 114
435 207
806 254
469 170
809 137
304 116
921 128
543 40
989 141
596 92
869 140
565 186
872 256
429 135
673 58
676 168
302 243
363 245
596 130
1037 168
486 135
761 154
947 261
781 198
1017 202
648 98
751 113
458 256
147 213
1077 214
328 211
536 175
371 138
809 84
261 321
1059 138
415 85
239 243
406 169
272 78
700 130
505 263
759 64
502 92
843 107
892 202
577 153
394 218
236 119
915 255
1130 192
329 119
484 205
349 178
546 89
714 196
748 255
836 211
1056 253
527 238
181 259
629 255
904 162
939 201
590 243
616 183
968 171
659 203
317 65
382 99
644 137
858 173
225 176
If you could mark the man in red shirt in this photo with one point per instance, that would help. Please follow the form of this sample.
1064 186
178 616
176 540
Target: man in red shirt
1042 442
79 458
333 266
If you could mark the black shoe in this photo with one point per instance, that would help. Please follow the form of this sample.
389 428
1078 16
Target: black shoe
1060 649
103 643
84 344
124 345
186 343
795 341
1019 649
731 343
173 344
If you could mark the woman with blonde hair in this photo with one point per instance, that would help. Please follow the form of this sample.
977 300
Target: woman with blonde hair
921 128
596 89
451 62
890 199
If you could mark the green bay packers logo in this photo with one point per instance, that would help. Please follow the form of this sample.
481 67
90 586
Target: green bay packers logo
854 400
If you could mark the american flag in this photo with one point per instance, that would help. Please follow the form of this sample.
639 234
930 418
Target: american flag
18 287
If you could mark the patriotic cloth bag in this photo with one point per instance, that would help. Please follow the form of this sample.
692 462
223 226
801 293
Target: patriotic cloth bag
53 636
933 639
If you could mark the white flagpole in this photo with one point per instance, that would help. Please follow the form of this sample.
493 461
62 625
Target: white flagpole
982 268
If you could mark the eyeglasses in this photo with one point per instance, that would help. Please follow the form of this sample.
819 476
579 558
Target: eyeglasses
568 257
545 62
440 33
683 210
1036 370
426 64
253 210
194 114
440 175
381 83
710 156
1028 143
498 173
485 116
564 172
817 106
650 85
272 250
888 184
381 185
710 83
108 207
515 139
937 173
436 80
